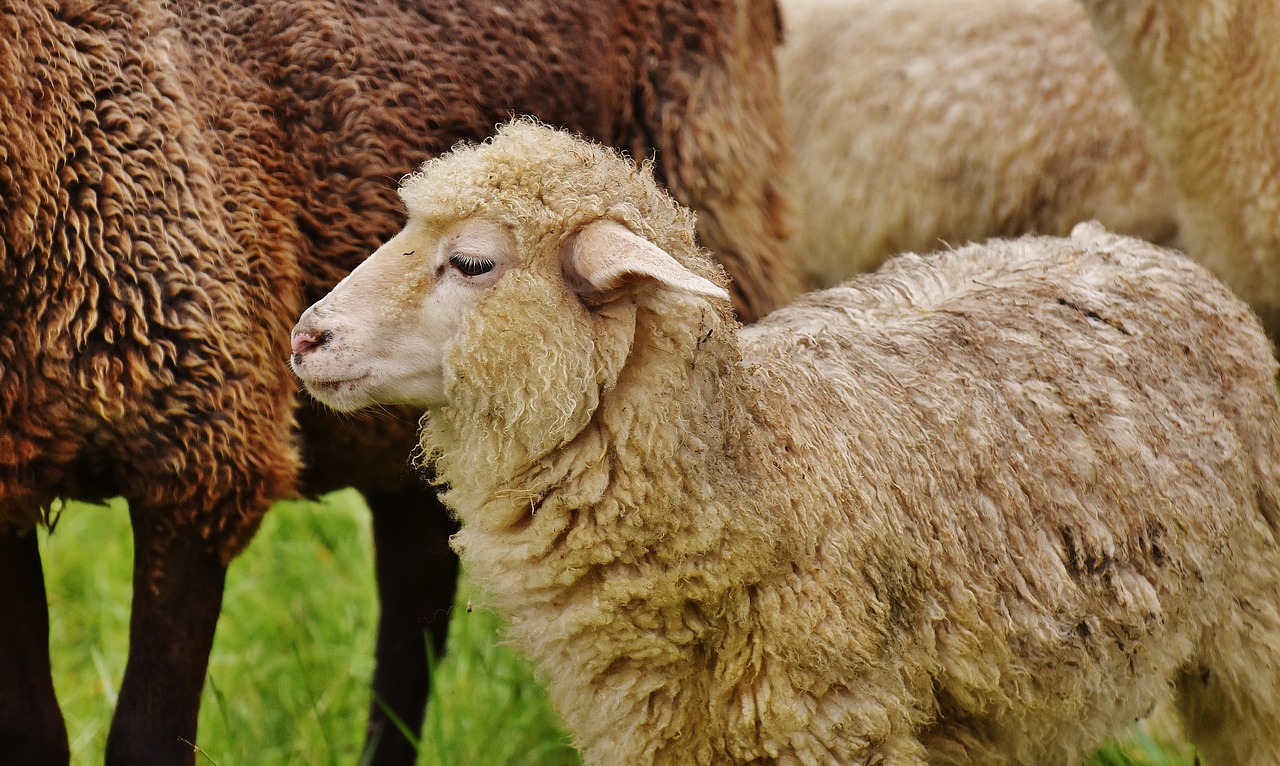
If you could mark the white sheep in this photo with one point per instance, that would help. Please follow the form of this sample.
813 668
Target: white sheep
984 506
1205 76
919 122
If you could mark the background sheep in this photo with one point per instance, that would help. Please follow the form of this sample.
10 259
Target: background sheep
179 178
982 506
919 122
1205 77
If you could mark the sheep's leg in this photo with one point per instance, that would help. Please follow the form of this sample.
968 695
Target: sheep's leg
417 572
31 727
177 594
1231 701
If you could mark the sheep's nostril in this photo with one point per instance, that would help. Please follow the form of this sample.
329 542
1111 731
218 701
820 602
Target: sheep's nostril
305 341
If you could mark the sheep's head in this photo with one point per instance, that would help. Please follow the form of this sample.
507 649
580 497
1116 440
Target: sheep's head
512 291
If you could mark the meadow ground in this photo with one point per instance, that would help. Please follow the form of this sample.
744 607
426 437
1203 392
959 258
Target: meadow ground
288 678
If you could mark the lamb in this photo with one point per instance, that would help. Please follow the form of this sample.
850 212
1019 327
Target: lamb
983 506
1205 78
919 122
179 179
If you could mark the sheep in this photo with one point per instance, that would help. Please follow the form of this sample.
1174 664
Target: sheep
982 506
178 180
1204 78
919 122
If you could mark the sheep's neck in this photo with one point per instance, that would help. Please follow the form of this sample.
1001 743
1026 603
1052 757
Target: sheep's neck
633 523
648 490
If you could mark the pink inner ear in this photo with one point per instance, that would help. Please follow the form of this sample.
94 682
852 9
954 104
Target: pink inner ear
578 283
604 255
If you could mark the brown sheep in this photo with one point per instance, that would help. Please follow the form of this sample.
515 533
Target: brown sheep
177 180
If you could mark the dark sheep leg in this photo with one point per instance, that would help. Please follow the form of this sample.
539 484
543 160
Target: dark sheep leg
417 574
177 594
31 727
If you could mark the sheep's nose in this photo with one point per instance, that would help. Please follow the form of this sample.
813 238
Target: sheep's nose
306 341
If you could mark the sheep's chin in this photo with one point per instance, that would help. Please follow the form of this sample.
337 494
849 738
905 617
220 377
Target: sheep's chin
345 395
376 387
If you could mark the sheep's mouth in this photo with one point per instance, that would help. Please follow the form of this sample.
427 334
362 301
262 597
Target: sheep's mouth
341 394
327 387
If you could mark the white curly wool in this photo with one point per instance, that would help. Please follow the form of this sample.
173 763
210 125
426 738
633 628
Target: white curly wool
983 506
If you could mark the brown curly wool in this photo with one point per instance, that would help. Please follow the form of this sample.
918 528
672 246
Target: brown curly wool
982 506
177 179
917 123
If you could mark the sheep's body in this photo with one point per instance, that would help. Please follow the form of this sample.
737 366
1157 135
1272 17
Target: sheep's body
1205 77
917 123
985 506
178 178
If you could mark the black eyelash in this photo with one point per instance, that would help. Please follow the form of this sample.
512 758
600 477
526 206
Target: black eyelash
470 266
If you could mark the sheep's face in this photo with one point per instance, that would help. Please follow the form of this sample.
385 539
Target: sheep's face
458 311
382 334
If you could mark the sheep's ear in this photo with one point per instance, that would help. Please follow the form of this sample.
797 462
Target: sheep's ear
604 255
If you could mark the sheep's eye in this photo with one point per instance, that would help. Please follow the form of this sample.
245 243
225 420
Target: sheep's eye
469 265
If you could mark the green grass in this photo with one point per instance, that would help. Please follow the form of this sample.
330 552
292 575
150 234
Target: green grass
288 677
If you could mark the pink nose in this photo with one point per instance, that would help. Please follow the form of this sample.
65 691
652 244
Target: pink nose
307 340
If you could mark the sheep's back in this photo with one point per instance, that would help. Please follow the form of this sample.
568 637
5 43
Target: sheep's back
1063 445
1050 350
